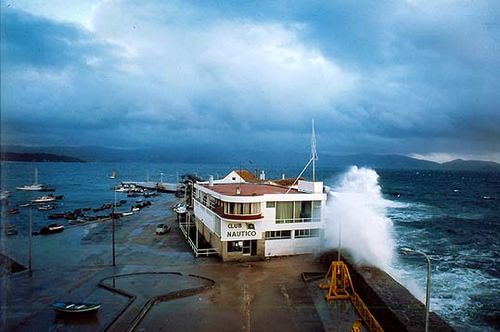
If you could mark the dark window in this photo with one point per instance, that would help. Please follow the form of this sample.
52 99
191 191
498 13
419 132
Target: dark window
235 246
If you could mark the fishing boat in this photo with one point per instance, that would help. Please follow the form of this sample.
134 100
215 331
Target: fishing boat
52 228
44 199
75 307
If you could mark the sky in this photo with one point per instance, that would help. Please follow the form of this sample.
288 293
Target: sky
419 78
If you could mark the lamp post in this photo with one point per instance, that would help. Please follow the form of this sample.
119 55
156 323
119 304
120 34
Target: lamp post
113 227
428 287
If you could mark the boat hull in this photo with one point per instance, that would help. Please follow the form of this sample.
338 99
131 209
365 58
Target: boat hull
75 308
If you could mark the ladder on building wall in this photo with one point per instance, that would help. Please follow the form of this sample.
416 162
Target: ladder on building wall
339 285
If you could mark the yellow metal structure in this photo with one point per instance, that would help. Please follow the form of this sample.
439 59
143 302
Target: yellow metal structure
339 285
356 326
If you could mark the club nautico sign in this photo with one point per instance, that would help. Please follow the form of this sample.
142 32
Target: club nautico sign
239 231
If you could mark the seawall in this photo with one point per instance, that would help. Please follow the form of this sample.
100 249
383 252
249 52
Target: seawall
394 307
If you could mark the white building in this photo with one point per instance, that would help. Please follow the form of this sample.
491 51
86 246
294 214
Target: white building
243 217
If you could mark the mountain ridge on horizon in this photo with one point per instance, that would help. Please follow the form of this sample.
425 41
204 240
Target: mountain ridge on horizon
383 161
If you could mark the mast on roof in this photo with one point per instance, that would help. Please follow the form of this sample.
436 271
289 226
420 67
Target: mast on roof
314 155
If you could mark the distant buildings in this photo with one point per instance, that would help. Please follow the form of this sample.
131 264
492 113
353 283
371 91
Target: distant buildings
245 217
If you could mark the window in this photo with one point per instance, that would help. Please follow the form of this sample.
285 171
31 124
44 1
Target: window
270 205
284 210
276 235
316 210
300 211
235 246
303 233
241 208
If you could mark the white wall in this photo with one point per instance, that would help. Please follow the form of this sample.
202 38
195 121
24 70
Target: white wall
291 246
205 215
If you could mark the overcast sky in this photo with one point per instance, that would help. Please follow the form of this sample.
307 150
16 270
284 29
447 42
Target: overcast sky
420 78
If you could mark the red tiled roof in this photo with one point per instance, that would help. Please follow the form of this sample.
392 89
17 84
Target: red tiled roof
247 175
248 189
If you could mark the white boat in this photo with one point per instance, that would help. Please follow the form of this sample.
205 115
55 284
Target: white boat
32 187
4 195
52 228
44 199
113 174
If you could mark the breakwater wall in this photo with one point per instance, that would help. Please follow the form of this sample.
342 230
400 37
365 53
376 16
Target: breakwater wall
394 307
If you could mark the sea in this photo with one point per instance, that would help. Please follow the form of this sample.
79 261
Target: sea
451 216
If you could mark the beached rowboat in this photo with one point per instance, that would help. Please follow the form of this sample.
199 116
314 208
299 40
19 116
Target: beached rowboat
74 307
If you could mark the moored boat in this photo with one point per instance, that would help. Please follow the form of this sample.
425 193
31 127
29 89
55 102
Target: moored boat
4 195
46 207
75 307
44 199
52 228
30 187
10 230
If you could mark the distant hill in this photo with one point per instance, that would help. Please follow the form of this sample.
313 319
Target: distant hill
261 158
38 157
472 165
379 161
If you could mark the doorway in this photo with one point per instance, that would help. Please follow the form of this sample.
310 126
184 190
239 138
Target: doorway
250 247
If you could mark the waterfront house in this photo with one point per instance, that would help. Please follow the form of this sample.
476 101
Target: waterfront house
244 217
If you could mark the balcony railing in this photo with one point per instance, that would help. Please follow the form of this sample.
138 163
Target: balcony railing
219 210
297 220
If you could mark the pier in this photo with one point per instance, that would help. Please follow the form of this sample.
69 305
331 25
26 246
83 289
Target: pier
250 296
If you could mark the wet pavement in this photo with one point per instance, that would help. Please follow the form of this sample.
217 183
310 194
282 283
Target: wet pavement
265 295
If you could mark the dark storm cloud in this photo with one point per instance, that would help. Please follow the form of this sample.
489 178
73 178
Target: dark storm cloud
393 77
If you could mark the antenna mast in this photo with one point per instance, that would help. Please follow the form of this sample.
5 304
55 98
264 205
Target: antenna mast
314 155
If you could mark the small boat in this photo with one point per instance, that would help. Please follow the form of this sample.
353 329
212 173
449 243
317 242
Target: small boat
125 214
46 207
24 204
44 199
75 307
52 228
113 174
14 211
10 230
56 216
4 195
135 209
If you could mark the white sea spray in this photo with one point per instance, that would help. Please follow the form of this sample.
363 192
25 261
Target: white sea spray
357 210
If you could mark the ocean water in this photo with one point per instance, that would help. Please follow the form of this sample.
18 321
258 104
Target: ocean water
452 216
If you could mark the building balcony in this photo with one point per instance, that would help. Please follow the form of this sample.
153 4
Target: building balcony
219 210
